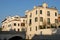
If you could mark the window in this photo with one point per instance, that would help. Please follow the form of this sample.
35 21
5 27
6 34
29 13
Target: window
44 27
48 26
22 24
18 24
23 29
30 14
48 13
23 20
3 26
14 24
52 26
30 21
36 19
18 29
40 26
36 11
56 20
48 21
30 28
55 14
41 19
40 11
36 28
9 25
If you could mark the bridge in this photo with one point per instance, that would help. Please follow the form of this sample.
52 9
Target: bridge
12 35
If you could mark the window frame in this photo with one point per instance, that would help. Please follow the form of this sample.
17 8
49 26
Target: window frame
55 13
48 13
22 24
14 24
36 19
30 22
48 20
36 12
40 11
56 20
41 19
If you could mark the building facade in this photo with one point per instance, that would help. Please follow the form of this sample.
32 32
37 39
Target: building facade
40 21
15 23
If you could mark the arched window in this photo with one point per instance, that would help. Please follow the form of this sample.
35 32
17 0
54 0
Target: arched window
14 24
36 19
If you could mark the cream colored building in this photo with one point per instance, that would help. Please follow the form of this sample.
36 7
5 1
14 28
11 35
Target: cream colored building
15 23
40 19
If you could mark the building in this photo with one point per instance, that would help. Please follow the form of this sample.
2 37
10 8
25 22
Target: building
15 23
41 20
59 17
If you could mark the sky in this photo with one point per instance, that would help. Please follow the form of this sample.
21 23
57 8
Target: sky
18 7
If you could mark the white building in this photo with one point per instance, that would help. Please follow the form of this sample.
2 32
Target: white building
15 23
38 21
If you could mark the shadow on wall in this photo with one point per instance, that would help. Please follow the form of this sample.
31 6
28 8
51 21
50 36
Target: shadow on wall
55 36
16 38
47 37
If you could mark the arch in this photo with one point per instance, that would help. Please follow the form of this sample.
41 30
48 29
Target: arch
16 38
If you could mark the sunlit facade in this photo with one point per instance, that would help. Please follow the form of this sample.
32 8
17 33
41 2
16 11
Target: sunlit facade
15 23
40 21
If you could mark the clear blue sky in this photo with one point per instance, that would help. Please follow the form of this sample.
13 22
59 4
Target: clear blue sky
18 7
